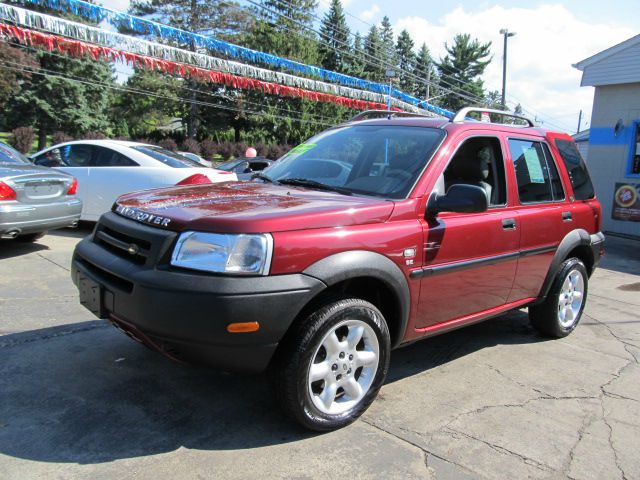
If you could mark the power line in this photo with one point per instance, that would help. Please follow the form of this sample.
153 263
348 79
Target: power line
366 54
51 73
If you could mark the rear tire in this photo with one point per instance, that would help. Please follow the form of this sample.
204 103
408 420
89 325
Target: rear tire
30 237
332 364
561 311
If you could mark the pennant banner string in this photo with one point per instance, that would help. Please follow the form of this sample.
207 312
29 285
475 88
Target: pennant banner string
40 21
143 26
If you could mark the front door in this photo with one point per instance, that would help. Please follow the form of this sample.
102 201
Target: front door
470 260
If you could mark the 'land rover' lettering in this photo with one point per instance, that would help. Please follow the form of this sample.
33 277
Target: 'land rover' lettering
140 216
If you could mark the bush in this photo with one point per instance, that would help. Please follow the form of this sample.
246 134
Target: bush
262 149
190 145
60 137
22 139
226 149
93 136
239 149
169 144
276 151
147 141
208 148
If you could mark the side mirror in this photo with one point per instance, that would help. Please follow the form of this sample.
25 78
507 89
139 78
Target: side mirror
460 198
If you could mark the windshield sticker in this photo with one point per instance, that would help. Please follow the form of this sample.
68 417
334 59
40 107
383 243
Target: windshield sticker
533 164
302 148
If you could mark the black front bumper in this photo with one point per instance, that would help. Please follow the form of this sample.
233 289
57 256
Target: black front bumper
180 313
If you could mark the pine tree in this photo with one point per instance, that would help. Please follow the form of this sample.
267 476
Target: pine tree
465 62
57 101
357 60
427 74
334 39
406 61
373 48
388 55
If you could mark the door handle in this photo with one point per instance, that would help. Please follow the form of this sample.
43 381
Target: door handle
509 224
567 217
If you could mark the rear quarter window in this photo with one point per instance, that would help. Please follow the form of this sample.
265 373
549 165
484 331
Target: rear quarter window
577 170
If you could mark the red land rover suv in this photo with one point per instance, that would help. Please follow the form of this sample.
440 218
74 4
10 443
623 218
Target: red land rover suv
372 235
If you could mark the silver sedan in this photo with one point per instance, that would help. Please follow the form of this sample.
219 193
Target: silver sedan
34 199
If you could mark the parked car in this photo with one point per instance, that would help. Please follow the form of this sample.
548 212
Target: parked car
244 168
439 224
106 169
196 158
34 199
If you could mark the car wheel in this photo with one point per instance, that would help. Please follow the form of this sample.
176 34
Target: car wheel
31 237
561 311
331 366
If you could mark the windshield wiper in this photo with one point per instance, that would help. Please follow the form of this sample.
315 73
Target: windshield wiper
264 177
305 182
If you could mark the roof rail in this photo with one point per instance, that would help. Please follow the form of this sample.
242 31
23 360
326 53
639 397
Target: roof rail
462 114
371 114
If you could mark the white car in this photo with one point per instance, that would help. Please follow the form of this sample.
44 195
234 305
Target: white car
106 169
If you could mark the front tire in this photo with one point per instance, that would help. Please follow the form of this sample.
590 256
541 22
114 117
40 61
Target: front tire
561 311
331 366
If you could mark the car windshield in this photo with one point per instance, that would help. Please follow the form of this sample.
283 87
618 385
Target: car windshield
229 166
12 156
172 159
379 160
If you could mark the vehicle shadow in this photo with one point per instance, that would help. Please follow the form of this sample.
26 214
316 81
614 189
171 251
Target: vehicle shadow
85 393
82 230
14 248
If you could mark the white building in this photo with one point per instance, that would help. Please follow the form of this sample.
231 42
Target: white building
614 137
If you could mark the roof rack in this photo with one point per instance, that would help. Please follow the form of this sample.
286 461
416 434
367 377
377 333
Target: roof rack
463 114
371 114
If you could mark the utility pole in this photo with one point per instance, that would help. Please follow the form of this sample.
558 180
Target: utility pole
506 33
428 80
390 73
579 121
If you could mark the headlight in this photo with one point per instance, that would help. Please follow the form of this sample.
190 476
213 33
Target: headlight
224 253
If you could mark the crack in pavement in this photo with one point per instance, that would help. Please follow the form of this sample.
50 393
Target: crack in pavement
424 450
51 261
614 300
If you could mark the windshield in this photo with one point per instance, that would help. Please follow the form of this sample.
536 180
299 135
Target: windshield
380 160
228 166
10 155
167 157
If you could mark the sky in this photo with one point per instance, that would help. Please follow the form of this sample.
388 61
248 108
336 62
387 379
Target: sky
550 37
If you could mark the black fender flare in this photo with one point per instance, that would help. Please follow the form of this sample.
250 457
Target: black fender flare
575 238
362 263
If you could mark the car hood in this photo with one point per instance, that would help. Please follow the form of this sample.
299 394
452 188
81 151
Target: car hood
237 207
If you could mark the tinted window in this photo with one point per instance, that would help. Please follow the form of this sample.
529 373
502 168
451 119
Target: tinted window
229 166
105 157
172 159
538 180
577 170
369 159
9 155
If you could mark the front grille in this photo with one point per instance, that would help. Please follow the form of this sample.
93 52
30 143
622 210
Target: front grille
132 241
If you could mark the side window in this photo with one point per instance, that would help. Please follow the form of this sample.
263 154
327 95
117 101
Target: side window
577 170
105 157
76 155
479 161
538 179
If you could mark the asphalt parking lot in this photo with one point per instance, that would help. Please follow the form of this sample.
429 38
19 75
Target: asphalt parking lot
78 399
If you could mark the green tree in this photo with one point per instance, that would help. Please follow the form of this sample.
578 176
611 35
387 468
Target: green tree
465 62
406 61
144 113
387 55
76 103
373 48
426 72
284 28
334 39
12 75
357 60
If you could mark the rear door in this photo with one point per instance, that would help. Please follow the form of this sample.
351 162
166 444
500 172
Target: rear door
545 211
470 260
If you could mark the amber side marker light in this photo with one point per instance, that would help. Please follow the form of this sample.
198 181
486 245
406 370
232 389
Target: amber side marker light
244 327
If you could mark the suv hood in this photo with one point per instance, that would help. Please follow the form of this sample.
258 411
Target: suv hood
239 207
